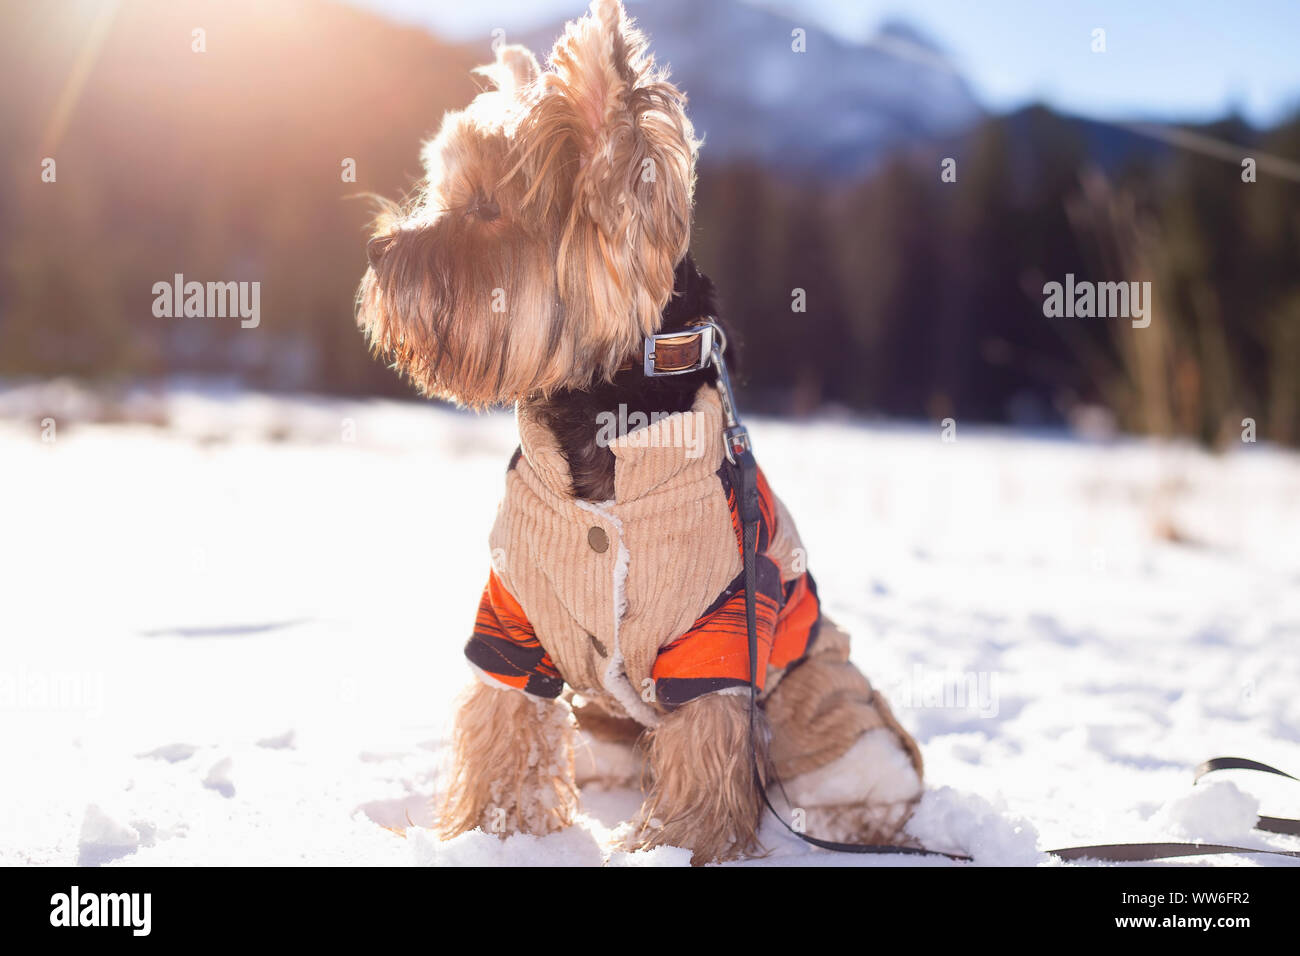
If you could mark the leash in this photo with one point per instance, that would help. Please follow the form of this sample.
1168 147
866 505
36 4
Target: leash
1142 852
744 468
740 455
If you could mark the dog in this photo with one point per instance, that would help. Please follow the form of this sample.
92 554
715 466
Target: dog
548 244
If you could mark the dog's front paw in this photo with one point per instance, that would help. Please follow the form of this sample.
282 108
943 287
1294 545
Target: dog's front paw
512 766
704 797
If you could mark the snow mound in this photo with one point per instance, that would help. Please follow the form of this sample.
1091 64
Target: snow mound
219 777
965 823
575 846
172 753
104 838
1211 813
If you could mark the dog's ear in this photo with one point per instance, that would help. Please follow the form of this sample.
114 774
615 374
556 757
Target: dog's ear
624 175
597 64
514 69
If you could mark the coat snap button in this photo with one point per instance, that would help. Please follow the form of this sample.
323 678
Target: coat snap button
598 540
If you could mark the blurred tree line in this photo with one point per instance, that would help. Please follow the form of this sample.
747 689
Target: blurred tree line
923 298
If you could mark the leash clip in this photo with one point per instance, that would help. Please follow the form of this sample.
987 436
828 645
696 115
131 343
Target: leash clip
735 436
712 343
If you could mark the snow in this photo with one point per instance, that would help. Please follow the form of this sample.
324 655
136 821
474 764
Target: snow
1218 812
220 778
234 622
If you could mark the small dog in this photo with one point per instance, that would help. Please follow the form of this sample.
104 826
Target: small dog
548 242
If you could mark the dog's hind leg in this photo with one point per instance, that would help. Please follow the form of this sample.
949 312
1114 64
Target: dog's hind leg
840 753
512 765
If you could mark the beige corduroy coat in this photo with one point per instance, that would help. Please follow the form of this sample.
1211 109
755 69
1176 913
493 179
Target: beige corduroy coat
606 586
596 595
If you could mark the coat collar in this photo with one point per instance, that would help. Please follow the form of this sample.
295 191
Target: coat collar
684 446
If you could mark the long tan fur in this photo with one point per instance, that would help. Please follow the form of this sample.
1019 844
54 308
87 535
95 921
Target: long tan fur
512 765
703 794
541 246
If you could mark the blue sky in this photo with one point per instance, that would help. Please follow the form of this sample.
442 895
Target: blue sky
1165 59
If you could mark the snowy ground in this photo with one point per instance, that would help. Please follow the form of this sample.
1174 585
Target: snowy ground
234 635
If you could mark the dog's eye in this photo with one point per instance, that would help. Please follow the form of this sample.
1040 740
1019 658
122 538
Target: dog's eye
485 208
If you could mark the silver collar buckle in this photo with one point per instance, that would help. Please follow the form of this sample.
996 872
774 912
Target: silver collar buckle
706 333
713 343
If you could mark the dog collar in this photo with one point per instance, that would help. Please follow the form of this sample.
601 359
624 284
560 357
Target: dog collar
678 353
692 350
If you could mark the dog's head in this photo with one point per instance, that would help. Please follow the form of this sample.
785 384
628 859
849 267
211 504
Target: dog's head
541 246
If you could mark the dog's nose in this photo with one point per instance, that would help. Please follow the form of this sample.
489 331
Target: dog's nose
376 248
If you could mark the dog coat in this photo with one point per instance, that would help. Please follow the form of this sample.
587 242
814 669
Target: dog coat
637 603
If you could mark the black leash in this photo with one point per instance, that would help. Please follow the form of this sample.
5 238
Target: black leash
740 454
745 481
1140 852
1267 824
746 486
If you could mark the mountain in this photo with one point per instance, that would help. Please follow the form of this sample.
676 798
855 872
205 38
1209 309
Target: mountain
835 109
819 173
